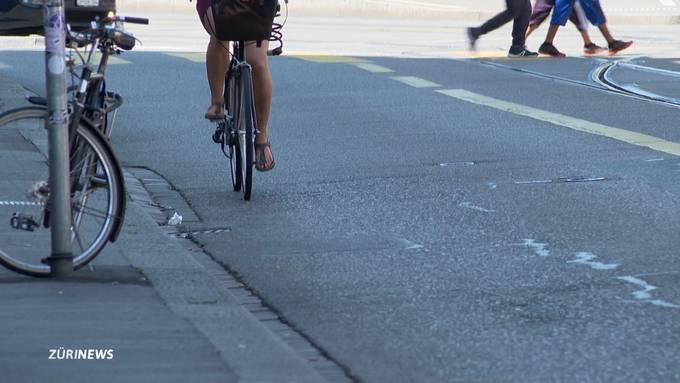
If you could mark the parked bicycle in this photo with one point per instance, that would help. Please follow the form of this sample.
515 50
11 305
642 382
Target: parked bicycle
98 197
237 132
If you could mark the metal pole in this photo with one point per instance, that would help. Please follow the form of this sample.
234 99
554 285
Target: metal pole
61 258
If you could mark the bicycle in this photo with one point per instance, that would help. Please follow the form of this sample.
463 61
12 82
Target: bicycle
98 196
237 132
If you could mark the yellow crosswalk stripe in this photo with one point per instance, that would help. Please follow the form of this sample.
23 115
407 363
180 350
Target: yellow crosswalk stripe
417 82
577 124
325 59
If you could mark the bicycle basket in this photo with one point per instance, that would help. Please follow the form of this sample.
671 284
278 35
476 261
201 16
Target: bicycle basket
244 20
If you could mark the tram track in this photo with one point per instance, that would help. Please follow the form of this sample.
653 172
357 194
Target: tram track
601 78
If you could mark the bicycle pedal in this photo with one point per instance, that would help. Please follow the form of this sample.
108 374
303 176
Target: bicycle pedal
217 136
22 222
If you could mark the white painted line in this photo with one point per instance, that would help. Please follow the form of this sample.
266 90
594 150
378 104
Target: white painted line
532 182
20 203
645 294
373 68
4 66
410 245
668 3
538 248
587 259
417 82
463 163
468 205
643 68
577 124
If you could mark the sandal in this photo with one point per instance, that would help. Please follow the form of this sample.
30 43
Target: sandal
219 115
261 159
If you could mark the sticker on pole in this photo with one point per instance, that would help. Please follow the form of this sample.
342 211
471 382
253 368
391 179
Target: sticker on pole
87 3
56 65
55 34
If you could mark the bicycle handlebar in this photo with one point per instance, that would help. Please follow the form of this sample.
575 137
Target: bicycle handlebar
133 20
103 28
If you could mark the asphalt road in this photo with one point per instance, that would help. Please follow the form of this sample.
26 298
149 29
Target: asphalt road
418 233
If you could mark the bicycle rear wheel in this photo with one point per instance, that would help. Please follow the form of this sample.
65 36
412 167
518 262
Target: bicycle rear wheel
234 162
229 131
246 128
97 194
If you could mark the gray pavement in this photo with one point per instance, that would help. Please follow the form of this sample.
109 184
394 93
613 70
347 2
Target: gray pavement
162 309
412 236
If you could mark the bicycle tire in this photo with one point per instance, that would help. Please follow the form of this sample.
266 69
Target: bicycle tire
98 194
247 126
230 134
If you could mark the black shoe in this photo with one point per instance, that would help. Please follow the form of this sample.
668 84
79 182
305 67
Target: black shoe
618 45
592 49
473 35
521 52
550 50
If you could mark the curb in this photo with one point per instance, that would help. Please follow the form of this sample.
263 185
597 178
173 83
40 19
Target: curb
200 291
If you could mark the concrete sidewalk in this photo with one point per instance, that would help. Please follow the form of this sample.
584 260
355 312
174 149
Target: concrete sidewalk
649 12
160 309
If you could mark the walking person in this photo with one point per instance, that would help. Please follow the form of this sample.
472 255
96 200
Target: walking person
594 13
541 11
519 11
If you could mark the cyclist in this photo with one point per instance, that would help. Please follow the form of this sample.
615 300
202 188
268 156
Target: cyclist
217 63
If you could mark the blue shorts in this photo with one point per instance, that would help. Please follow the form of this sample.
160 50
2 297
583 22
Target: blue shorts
592 9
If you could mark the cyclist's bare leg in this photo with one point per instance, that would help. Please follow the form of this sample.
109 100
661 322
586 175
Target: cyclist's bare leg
262 87
216 62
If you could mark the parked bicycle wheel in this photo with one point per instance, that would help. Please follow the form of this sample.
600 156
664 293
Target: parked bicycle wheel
246 128
97 193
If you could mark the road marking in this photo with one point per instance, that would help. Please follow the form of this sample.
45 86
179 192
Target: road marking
373 68
538 248
668 3
417 82
468 205
191 56
577 124
327 59
643 68
20 203
462 163
587 259
644 294
4 66
408 245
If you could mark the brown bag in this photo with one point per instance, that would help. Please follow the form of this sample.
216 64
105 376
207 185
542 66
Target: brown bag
244 20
